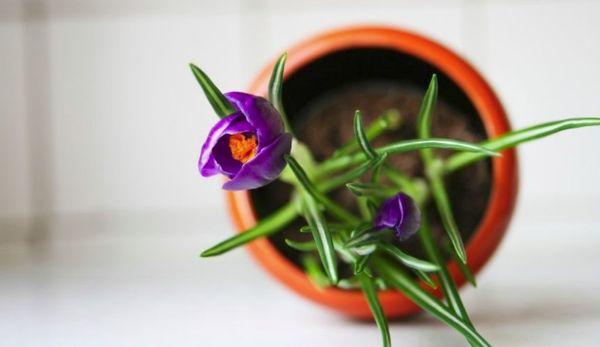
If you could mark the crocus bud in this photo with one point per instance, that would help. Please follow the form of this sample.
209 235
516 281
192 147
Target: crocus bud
247 146
399 213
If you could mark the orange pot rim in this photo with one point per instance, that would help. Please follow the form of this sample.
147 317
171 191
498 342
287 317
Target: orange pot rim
503 193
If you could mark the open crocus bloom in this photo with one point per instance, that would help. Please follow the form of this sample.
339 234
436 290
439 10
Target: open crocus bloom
401 214
247 146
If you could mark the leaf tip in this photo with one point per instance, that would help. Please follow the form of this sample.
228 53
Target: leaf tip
208 253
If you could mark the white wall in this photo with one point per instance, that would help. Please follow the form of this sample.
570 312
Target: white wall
100 113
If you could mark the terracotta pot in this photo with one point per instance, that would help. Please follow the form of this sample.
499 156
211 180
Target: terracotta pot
495 220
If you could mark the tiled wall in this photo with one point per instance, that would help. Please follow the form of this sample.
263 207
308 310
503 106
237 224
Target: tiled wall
98 111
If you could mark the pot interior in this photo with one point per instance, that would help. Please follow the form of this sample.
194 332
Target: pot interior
320 99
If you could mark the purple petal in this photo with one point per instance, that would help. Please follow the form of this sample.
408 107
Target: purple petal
264 168
234 123
401 214
411 217
387 217
260 113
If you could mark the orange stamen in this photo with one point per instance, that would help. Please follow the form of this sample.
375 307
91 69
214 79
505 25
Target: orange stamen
242 147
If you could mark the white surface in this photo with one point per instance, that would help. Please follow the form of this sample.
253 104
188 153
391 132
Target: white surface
135 280
100 113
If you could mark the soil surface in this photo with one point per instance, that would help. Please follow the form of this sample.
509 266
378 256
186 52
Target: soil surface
325 124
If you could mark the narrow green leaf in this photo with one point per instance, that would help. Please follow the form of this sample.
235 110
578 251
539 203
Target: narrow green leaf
361 137
371 295
265 227
426 110
464 268
513 138
371 190
348 256
335 209
446 281
336 181
360 230
408 260
322 238
333 227
388 120
399 279
466 271
313 270
307 246
361 263
365 238
445 210
339 163
216 99
275 90
425 278
432 171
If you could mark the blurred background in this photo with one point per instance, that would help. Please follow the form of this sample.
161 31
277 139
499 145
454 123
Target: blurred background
103 213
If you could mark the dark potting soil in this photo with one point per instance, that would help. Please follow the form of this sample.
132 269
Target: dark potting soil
326 124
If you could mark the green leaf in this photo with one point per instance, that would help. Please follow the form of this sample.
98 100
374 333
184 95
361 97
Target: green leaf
364 238
371 295
361 263
513 138
333 227
464 268
426 110
361 229
217 100
307 246
334 164
361 137
408 260
265 227
336 181
400 280
388 120
432 168
275 90
335 209
445 210
376 190
322 238
312 268
425 278
447 283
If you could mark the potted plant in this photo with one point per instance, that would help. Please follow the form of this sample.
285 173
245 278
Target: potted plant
366 211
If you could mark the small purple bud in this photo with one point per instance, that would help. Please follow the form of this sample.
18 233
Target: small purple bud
247 146
401 214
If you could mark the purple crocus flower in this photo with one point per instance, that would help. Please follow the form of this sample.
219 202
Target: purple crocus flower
401 214
247 146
